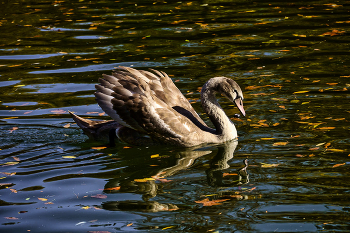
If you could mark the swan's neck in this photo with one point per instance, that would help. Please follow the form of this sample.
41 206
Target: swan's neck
225 129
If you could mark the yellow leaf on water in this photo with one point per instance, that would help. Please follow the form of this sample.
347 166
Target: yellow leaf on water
280 143
298 92
155 156
98 148
325 128
269 165
143 180
335 150
42 199
85 207
66 126
10 163
69 157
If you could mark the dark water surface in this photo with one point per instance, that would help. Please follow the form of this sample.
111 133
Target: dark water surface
291 60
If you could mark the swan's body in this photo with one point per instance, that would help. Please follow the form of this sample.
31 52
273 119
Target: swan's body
148 108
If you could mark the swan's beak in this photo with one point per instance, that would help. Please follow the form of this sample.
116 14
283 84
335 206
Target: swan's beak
239 104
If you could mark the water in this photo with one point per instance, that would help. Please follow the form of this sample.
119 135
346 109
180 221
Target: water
291 60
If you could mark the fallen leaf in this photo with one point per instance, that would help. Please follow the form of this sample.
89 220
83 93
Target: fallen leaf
266 165
13 129
338 165
114 188
325 128
59 111
155 156
13 190
11 218
130 224
280 144
299 92
10 163
42 199
335 150
66 126
69 157
229 174
314 148
207 202
98 148
100 196
85 207
143 180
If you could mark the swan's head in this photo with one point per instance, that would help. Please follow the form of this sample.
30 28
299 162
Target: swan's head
232 91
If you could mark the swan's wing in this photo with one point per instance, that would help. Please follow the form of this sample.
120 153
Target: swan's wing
166 90
127 97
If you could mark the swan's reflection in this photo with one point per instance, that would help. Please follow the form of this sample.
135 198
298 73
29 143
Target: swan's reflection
150 188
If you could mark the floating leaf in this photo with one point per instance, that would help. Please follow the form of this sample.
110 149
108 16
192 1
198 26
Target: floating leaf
42 199
69 157
98 148
338 165
269 165
101 196
207 202
10 163
335 150
130 224
229 174
13 129
11 218
59 111
299 92
67 125
13 190
86 207
314 148
114 188
280 143
143 180
325 128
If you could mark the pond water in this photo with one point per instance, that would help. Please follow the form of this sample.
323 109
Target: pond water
291 60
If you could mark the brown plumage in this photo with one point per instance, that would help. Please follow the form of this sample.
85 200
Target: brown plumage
147 108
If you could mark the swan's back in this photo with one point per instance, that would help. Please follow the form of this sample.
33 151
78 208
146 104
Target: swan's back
150 104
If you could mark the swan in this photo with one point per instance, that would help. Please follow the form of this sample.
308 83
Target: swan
147 108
